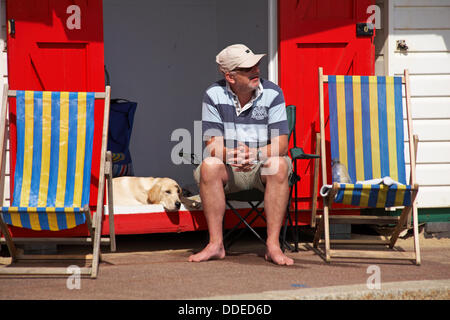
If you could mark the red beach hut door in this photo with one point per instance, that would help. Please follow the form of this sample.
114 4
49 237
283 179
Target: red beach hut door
317 33
57 45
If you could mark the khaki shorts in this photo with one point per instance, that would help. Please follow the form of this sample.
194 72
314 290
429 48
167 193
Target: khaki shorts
241 181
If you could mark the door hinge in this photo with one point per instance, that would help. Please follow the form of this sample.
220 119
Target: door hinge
12 27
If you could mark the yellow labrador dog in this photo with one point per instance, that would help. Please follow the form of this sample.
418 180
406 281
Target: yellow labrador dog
134 191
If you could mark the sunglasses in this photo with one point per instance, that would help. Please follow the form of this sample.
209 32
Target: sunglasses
246 70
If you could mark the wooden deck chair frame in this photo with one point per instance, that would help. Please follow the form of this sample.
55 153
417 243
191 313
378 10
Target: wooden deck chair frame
401 223
94 224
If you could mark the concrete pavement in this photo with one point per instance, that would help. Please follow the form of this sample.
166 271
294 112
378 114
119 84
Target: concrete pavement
155 267
402 290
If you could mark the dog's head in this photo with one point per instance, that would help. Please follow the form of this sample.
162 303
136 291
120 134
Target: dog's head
166 192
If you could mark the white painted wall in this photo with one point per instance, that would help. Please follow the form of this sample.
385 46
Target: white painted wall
425 26
272 55
161 54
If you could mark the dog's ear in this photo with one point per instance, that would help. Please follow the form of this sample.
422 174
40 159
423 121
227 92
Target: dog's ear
154 194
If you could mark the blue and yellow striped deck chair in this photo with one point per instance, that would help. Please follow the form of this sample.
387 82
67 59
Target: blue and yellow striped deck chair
52 176
367 136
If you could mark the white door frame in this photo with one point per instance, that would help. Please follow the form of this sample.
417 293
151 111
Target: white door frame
273 40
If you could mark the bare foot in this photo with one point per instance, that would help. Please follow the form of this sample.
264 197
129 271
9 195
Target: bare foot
210 252
277 256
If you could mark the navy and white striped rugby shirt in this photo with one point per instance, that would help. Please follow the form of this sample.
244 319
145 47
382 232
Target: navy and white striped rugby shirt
255 126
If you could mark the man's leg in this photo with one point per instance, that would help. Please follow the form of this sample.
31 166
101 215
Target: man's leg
213 176
274 175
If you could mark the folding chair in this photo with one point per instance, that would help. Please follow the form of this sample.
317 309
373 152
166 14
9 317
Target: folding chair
367 137
53 148
297 153
255 197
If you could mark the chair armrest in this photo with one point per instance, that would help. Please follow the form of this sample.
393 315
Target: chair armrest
108 164
298 153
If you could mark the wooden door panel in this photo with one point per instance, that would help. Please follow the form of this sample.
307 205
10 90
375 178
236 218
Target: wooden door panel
67 59
57 45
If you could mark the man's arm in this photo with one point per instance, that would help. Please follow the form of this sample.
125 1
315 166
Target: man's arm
241 157
244 156
216 148
278 147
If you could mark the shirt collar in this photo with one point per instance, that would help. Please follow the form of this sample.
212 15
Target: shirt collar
237 104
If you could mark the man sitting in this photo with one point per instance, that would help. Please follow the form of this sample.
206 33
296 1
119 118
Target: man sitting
246 132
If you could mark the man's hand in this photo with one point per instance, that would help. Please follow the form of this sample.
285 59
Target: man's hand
243 158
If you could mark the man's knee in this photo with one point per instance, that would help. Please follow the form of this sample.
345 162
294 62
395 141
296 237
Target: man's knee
211 169
276 168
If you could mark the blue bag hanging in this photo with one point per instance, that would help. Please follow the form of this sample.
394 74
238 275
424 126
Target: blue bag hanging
121 119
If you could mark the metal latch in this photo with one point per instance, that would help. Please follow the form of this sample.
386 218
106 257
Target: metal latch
364 29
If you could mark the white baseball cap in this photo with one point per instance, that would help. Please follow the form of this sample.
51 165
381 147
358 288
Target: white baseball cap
237 56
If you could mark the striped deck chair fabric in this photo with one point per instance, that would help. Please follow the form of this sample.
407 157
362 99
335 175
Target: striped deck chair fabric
53 163
367 136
